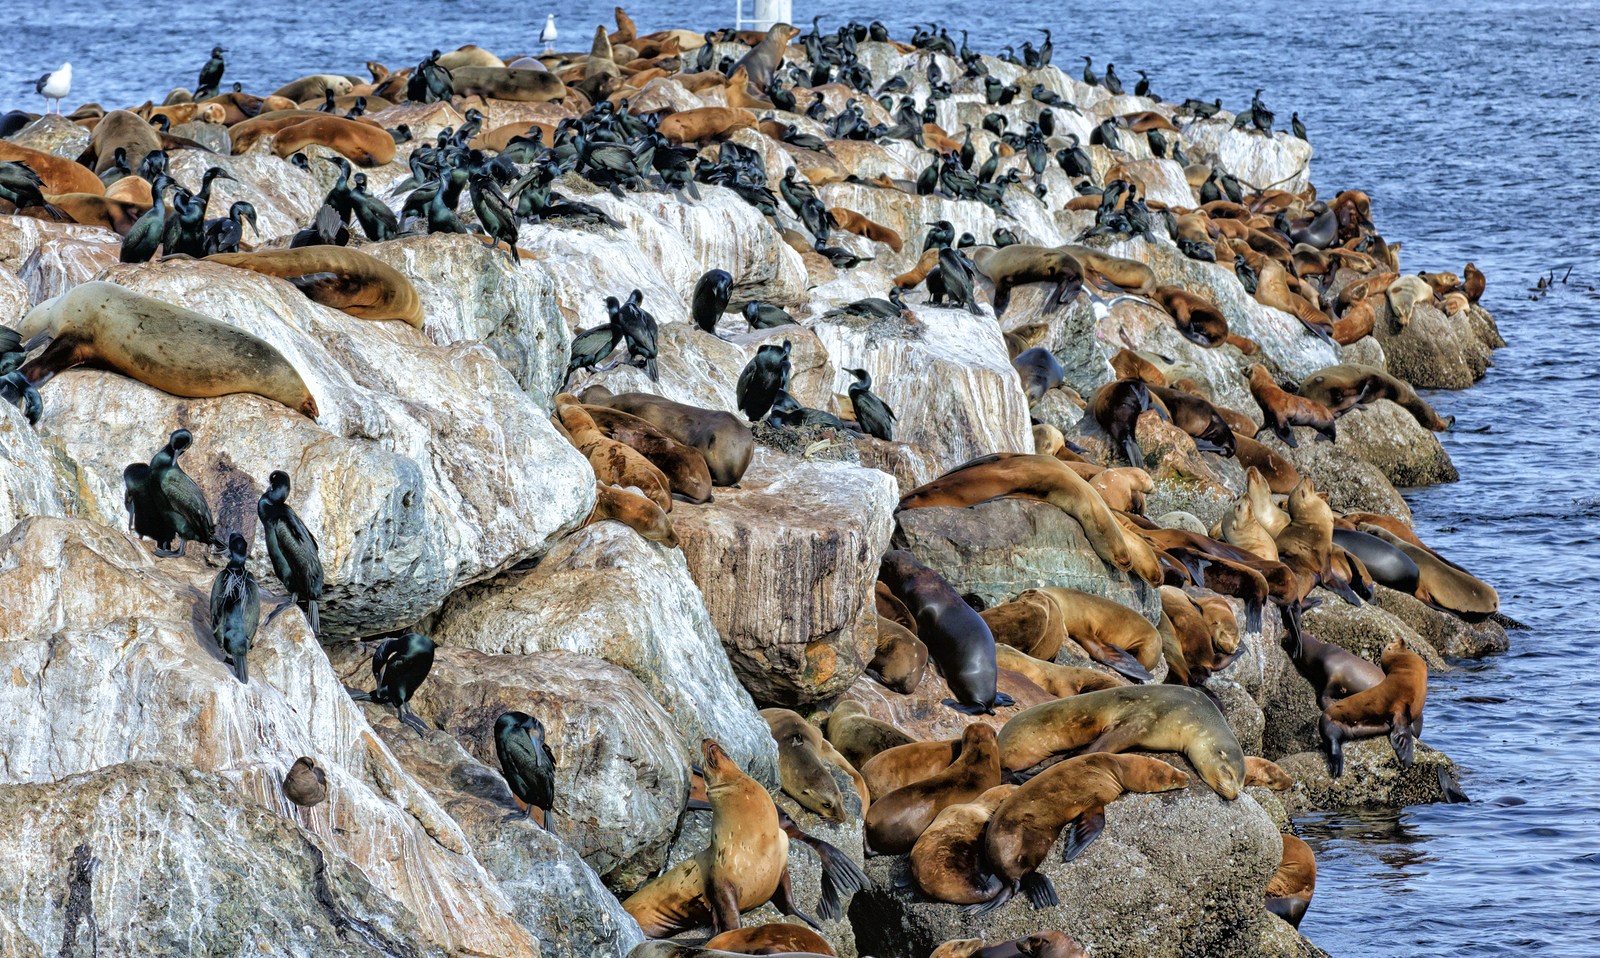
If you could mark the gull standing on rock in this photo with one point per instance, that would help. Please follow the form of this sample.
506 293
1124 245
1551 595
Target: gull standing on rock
548 35
54 86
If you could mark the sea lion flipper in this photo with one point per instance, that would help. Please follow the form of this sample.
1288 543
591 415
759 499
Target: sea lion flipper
1405 745
1118 660
1083 831
1289 908
1039 889
783 900
697 805
313 283
968 709
1453 795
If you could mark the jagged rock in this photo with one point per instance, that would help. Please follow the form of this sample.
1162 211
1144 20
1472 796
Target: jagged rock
786 562
1280 161
606 592
1280 940
1372 778
1449 634
14 298
622 770
426 120
212 136
922 713
1435 351
51 258
53 133
1365 630
1390 438
1351 483
93 618
27 480
428 468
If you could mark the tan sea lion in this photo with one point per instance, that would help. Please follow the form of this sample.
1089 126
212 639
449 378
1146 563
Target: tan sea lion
1059 680
1443 584
1123 488
61 176
704 123
1020 264
1114 273
1112 634
858 736
1160 718
119 128
338 277
1342 387
947 862
900 658
175 350
1392 707
803 757
314 86
469 55
504 83
721 437
1030 623
1265 774
1241 528
687 474
902 765
1404 295
361 143
613 462
767 56
745 866
773 938
1290 888
900 817
93 209
634 511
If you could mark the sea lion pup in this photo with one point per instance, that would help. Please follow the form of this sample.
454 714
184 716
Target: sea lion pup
947 862
897 767
1342 387
726 443
1284 410
858 736
60 175
1039 372
1059 680
1128 364
704 123
890 607
361 143
1240 527
180 352
745 866
1333 672
634 511
852 222
613 462
306 784
1264 774
1019 264
1030 623
1047 479
1290 888
1157 718
1116 406
1441 583
900 658
1072 794
338 277
1404 294
773 938
687 474
1277 472
767 56
1393 706
958 641
1113 634
899 818
802 752
1200 321
119 128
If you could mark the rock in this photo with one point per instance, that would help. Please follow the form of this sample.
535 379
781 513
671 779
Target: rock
1279 162
92 618
1365 630
1280 940
787 563
14 298
427 470
426 120
1243 714
1351 483
608 593
622 771
1187 521
51 258
55 134
1135 892
1390 438
1453 637
1435 351
923 715
212 136
27 476
1372 778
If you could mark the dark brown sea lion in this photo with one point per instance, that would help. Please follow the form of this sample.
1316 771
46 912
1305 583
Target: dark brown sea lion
1284 410
958 641
1334 672
1198 418
1020 264
1290 888
726 442
306 784
947 861
1392 707
773 938
1278 473
685 468
338 277
1197 318
1117 406
858 736
899 818
363 144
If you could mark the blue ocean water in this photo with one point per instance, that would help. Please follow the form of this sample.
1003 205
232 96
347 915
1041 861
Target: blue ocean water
1466 123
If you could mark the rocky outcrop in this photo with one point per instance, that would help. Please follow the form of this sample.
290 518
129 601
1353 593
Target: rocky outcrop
1372 778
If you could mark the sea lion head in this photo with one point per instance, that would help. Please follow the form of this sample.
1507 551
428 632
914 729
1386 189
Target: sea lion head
718 765
1220 762
1051 944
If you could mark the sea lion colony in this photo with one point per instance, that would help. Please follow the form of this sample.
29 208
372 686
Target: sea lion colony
802 128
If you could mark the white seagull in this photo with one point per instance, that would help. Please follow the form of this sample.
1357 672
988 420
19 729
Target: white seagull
548 35
54 86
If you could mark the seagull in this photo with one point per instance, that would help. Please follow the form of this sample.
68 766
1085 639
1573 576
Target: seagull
54 86
548 35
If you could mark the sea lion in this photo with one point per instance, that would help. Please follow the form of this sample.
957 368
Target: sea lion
177 351
1333 672
773 938
1071 794
338 277
767 56
902 765
248 133
1008 267
1197 656
1112 634
1197 417
1059 680
94 209
1240 527
958 641
1342 387
726 443
613 462
306 784
119 128
1290 888
1114 274
1358 320
852 222
1473 283
60 175
505 83
1404 295
1385 562
899 818
363 144
1030 623
1045 478
890 607
1279 473
634 511
803 755
900 657
1198 319
1160 718
1264 774
676 949
1259 491
687 474
1284 410
704 123
947 862
1128 364
858 736
745 865
1393 706
1123 488
1306 544
314 86
1039 371
1441 583
1117 406
468 55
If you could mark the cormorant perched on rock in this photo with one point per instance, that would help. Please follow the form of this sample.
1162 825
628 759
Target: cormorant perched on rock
872 413
291 547
766 316
236 607
787 412
144 236
1142 88
1296 126
1088 72
639 329
710 298
940 235
179 498
398 669
223 235
591 347
494 212
210 76
1111 81
14 387
762 379
526 762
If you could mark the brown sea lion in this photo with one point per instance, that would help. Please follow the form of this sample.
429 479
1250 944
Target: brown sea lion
958 641
1047 479
105 326
61 176
1220 617
704 123
1333 672
1128 364
634 511
1284 410
1277 473
745 866
1020 264
361 143
1030 623
1441 583
504 83
1392 707
1059 680
803 759
246 134
1290 888
687 474
858 736
1114 273
468 55
1473 283
1145 121
1455 303
1358 320
947 862
1197 417
338 277
1342 387
1123 488
852 222
1306 544
773 938
899 659
1158 718
314 85
1117 406
721 437
1197 318
902 765
914 276
890 607
1265 774
1112 634
767 56
118 128
1197 654
1072 794
676 949
613 462
93 209
900 817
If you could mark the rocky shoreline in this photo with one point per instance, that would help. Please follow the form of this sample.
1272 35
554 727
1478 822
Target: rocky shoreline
143 783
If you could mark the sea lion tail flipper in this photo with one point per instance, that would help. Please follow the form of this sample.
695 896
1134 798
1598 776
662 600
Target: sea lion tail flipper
1252 616
1285 435
1041 893
1288 908
968 709
1002 700
1333 742
783 900
840 874
984 907
1118 659
1291 625
1453 795
1083 831
1130 448
1065 292
1405 744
